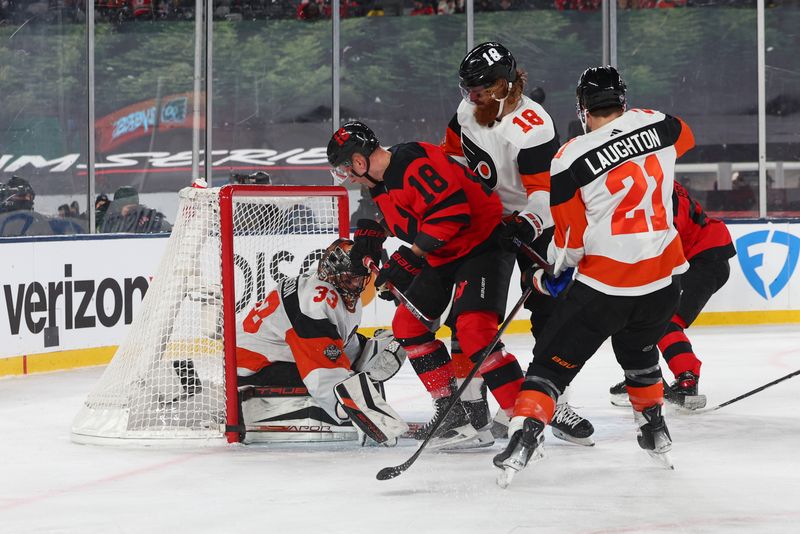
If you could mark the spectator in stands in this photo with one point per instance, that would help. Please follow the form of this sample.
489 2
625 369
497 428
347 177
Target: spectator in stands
484 5
310 10
18 218
421 8
376 11
126 214
101 204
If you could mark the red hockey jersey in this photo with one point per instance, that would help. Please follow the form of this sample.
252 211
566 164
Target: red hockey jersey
429 199
700 234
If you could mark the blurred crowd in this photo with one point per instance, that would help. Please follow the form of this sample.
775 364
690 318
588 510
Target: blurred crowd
121 213
117 11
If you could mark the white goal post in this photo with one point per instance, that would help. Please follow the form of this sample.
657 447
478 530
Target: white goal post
174 376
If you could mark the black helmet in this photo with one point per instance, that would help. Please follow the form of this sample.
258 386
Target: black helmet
353 137
485 64
18 195
336 268
600 87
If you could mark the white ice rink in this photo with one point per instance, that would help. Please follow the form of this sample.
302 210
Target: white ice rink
737 469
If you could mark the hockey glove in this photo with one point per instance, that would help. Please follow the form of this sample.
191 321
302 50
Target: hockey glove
367 242
399 271
547 284
523 226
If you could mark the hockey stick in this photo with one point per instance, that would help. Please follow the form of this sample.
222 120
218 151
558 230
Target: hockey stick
430 324
749 393
539 260
391 472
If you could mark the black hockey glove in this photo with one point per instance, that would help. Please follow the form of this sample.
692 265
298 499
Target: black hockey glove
547 284
399 271
367 242
523 226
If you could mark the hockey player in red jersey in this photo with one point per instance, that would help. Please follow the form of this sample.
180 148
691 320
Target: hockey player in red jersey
611 200
452 223
298 346
708 246
508 140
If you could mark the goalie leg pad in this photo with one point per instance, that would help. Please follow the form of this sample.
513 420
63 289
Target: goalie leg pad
367 409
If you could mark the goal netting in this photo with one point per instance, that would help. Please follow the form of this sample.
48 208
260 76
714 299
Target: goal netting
174 376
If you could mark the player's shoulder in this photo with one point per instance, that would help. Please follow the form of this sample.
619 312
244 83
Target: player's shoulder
403 156
530 125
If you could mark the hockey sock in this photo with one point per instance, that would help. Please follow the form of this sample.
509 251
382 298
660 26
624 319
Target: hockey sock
500 370
646 396
677 349
536 404
432 364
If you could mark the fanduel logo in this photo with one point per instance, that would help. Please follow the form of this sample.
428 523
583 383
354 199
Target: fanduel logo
751 249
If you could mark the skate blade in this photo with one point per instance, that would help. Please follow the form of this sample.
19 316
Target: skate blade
620 400
662 458
482 439
586 442
462 434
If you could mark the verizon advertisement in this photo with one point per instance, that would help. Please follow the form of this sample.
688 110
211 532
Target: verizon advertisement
84 293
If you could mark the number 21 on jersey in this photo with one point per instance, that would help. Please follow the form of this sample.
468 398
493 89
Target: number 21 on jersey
631 215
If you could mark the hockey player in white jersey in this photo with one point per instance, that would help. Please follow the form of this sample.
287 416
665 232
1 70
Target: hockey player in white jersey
508 140
611 200
303 369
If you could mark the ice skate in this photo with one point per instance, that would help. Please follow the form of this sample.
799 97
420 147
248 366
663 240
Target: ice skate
525 445
619 395
478 412
500 424
683 392
653 435
569 426
455 429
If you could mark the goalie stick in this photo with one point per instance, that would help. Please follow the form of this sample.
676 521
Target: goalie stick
391 472
749 393
430 324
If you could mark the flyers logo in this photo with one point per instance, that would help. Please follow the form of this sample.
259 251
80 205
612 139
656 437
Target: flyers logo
752 261
341 136
480 162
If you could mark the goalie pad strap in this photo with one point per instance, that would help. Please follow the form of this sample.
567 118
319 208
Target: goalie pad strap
367 409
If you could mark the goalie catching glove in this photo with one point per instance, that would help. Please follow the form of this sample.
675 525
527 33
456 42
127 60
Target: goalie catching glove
381 356
520 227
547 284
370 413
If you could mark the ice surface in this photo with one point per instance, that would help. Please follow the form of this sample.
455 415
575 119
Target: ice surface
736 470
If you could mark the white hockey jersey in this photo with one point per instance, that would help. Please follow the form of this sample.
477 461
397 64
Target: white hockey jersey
612 189
512 156
303 320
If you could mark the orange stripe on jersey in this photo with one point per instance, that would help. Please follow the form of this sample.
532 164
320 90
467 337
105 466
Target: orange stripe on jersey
535 404
644 397
685 141
561 150
452 144
251 360
620 274
570 214
536 182
310 353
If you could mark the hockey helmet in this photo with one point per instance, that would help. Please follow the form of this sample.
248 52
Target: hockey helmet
336 268
18 195
600 87
353 137
485 64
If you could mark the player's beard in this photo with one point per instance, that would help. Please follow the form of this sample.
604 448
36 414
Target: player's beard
485 115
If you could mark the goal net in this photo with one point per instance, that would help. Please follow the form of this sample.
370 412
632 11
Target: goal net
174 376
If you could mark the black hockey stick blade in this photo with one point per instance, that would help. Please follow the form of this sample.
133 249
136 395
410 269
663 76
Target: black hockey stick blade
749 393
430 324
533 255
392 472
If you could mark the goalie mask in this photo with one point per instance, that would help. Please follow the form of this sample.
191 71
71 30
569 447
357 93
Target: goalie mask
352 138
599 88
484 65
335 268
